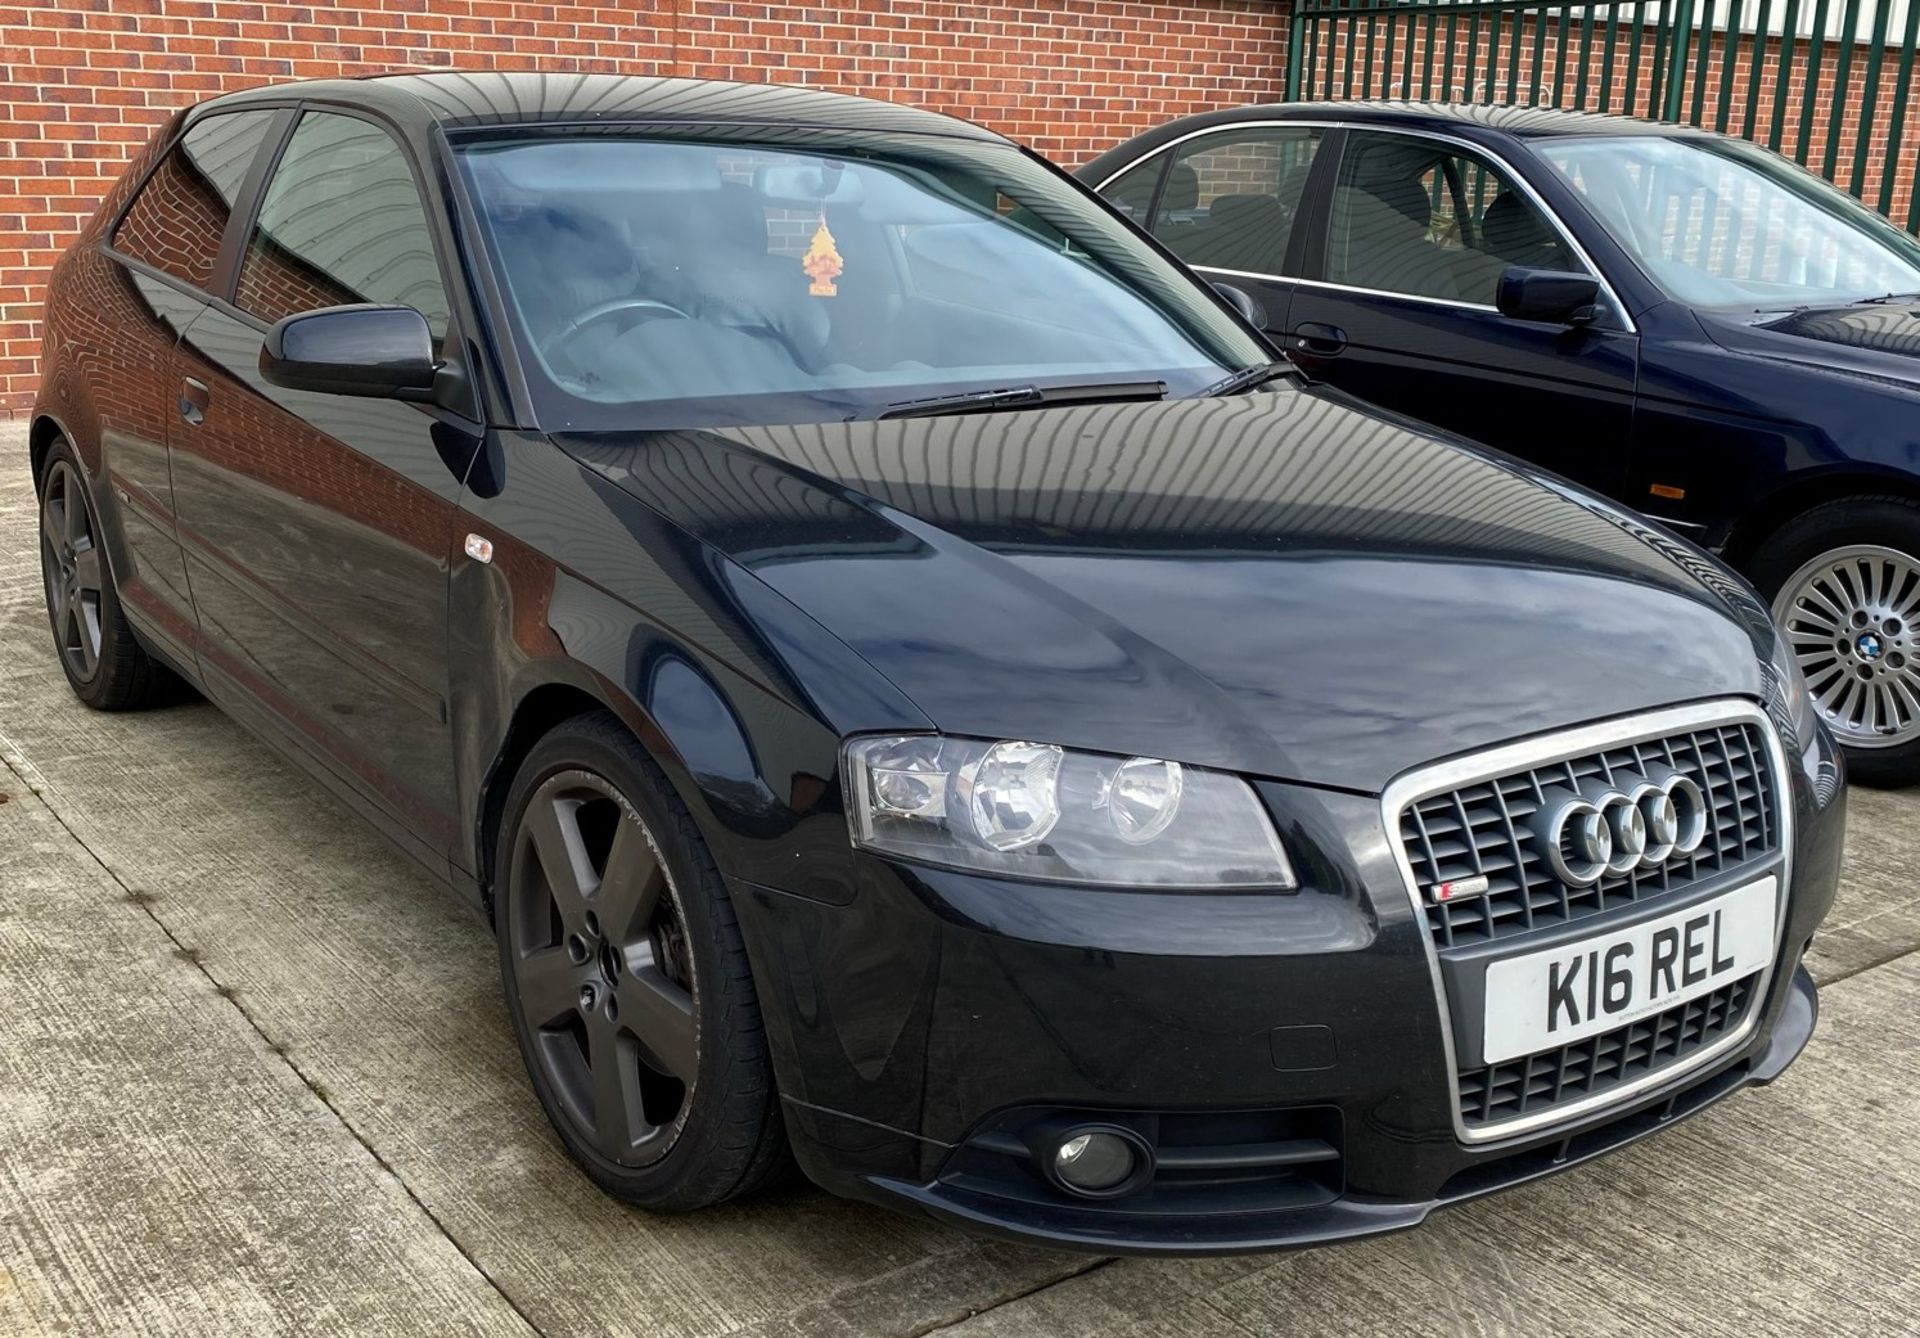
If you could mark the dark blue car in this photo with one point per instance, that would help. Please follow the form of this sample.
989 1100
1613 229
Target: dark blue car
1685 321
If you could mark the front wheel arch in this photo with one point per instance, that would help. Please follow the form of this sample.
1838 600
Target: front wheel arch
536 714
1781 507
570 690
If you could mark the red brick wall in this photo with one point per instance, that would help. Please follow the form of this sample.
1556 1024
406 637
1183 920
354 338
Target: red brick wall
89 80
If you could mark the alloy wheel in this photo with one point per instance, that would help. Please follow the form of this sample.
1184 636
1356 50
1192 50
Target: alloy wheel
70 560
601 968
1852 616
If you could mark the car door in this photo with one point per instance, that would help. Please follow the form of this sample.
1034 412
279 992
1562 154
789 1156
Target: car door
119 315
1225 202
316 527
1397 307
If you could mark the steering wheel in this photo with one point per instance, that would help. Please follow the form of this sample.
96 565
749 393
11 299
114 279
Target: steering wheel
601 311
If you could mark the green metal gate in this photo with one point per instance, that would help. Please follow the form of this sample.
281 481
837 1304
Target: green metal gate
1826 81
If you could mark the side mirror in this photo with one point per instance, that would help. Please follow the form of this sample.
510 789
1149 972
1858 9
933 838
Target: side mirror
1548 295
386 352
1243 302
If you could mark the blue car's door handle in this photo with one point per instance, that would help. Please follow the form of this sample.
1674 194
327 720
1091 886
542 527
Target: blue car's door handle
1318 338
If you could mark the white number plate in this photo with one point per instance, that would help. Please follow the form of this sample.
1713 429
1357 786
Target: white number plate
1549 999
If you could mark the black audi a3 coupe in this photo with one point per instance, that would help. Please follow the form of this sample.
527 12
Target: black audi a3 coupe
913 687
1682 320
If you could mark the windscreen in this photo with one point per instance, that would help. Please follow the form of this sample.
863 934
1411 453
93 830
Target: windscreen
671 283
1718 223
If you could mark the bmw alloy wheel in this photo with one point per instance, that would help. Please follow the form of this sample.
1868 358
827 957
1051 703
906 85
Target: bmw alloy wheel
1852 616
602 970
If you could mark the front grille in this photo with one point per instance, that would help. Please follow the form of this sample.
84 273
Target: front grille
1481 829
1533 1083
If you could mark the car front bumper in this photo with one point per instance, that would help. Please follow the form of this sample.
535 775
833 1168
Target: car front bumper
918 1029
1109 1232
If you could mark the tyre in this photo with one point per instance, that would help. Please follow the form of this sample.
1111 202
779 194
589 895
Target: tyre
627 979
106 667
1844 579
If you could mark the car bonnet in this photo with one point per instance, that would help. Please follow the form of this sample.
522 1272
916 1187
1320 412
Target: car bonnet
1277 583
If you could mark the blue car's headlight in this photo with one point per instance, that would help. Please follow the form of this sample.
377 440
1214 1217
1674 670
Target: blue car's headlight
1035 810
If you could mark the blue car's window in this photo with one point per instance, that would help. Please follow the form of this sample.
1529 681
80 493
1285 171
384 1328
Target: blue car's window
1416 216
1721 223
671 283
1231 198
1132 191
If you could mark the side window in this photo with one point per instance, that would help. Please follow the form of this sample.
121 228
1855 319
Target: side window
1132 191
176 222
341 222
1417 217
1231 198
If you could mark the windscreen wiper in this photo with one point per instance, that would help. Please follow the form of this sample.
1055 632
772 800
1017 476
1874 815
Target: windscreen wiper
1249 377
1012 397
1893 297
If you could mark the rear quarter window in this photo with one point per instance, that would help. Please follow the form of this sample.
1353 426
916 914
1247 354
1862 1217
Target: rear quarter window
1132 191
176 222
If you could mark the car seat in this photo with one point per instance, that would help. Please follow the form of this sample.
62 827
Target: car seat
1519 234
1384 244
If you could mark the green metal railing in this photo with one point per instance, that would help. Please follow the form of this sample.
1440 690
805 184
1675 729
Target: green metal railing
1773 71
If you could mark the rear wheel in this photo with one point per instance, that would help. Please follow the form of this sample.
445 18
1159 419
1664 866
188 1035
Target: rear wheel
105 666
627 978
1845 583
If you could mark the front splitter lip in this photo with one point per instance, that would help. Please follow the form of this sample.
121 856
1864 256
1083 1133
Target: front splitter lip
1113 1232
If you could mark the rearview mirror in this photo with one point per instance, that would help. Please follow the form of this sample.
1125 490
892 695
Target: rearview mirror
1242 301
808 185
365 349
1548 295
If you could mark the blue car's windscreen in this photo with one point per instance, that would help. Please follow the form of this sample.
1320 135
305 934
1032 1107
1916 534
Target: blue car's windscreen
1719 223
657 283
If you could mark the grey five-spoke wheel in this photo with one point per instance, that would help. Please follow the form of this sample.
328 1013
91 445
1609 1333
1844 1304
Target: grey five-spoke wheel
600 963
105 664
627 977
70 559
1852 616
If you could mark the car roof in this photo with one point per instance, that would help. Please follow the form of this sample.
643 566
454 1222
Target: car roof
492 98
1477 121
1528 121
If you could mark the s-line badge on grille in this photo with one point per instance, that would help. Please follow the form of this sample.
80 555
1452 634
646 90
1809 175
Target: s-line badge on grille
1458 889
1635 823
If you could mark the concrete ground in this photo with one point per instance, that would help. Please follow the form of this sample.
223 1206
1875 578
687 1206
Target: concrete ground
255 1077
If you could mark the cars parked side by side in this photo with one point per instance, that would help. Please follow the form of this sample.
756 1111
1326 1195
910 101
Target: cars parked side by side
1684 321
912 684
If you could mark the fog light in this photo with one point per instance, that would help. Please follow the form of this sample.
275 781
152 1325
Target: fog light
1096 1162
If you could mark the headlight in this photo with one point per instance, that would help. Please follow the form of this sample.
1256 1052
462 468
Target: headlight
1034 810
1788 689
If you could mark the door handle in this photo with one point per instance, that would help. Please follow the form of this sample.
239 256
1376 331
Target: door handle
1319 338
193 400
